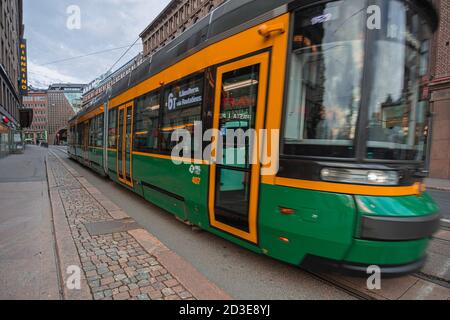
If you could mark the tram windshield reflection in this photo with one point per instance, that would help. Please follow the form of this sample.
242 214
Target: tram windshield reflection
336 62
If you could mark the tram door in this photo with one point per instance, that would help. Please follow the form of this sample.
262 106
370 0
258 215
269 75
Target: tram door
85 143
240 102
125 144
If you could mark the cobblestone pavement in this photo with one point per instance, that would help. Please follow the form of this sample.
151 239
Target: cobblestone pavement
116 265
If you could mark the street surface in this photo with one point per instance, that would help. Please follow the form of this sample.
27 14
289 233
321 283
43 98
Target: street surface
27 249
443 200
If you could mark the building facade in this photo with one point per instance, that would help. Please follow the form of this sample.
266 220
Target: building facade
64 101
11 33
106 81
174 20
37 100
440 95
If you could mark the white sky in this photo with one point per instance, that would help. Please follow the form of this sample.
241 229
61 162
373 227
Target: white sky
105 24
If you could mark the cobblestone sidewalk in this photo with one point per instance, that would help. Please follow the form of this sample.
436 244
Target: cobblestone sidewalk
116 266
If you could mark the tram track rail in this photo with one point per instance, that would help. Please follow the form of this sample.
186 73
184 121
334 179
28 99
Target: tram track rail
358 294
358 289
433 279
438 279
361 292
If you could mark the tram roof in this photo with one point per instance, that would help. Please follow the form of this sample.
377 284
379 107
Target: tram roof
230 18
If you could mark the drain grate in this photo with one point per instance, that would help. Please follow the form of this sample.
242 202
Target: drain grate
113 226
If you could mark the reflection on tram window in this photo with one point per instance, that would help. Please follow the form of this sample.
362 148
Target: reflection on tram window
325 80
232 198
96 131
398 121
182 108
237 114
128 136
99 131
146 122
112 129
79 135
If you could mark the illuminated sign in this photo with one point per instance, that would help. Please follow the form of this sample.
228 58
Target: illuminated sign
184 96
23 67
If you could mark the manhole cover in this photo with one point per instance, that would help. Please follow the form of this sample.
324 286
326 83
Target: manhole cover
107 227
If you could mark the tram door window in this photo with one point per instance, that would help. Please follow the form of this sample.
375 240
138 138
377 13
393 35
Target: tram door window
120 144
128 144
239 113
112 129
124 143
92 131
85 146
99 131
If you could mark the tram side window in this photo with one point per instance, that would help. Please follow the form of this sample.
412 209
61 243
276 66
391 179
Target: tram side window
72 136
69 136
112 130
92 129
146 123
182 108
99 131
79 135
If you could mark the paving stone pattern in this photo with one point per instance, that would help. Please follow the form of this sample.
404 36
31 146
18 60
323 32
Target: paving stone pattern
116 265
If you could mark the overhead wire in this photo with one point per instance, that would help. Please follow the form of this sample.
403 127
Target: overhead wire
90 54
123 55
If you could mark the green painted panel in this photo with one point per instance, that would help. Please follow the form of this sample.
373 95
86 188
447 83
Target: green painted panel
165 202
409 206
112 158
96 159
185 180
79 152
321 225
386 253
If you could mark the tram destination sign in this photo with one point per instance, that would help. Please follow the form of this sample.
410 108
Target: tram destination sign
184 96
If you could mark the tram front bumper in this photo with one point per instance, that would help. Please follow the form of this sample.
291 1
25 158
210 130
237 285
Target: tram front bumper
396 245
316 264
399 228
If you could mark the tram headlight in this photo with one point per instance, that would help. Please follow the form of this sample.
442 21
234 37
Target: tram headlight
358 176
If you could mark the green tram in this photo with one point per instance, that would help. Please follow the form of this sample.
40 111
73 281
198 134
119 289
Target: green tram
342 84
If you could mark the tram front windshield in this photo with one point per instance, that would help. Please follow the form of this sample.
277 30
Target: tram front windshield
349 62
